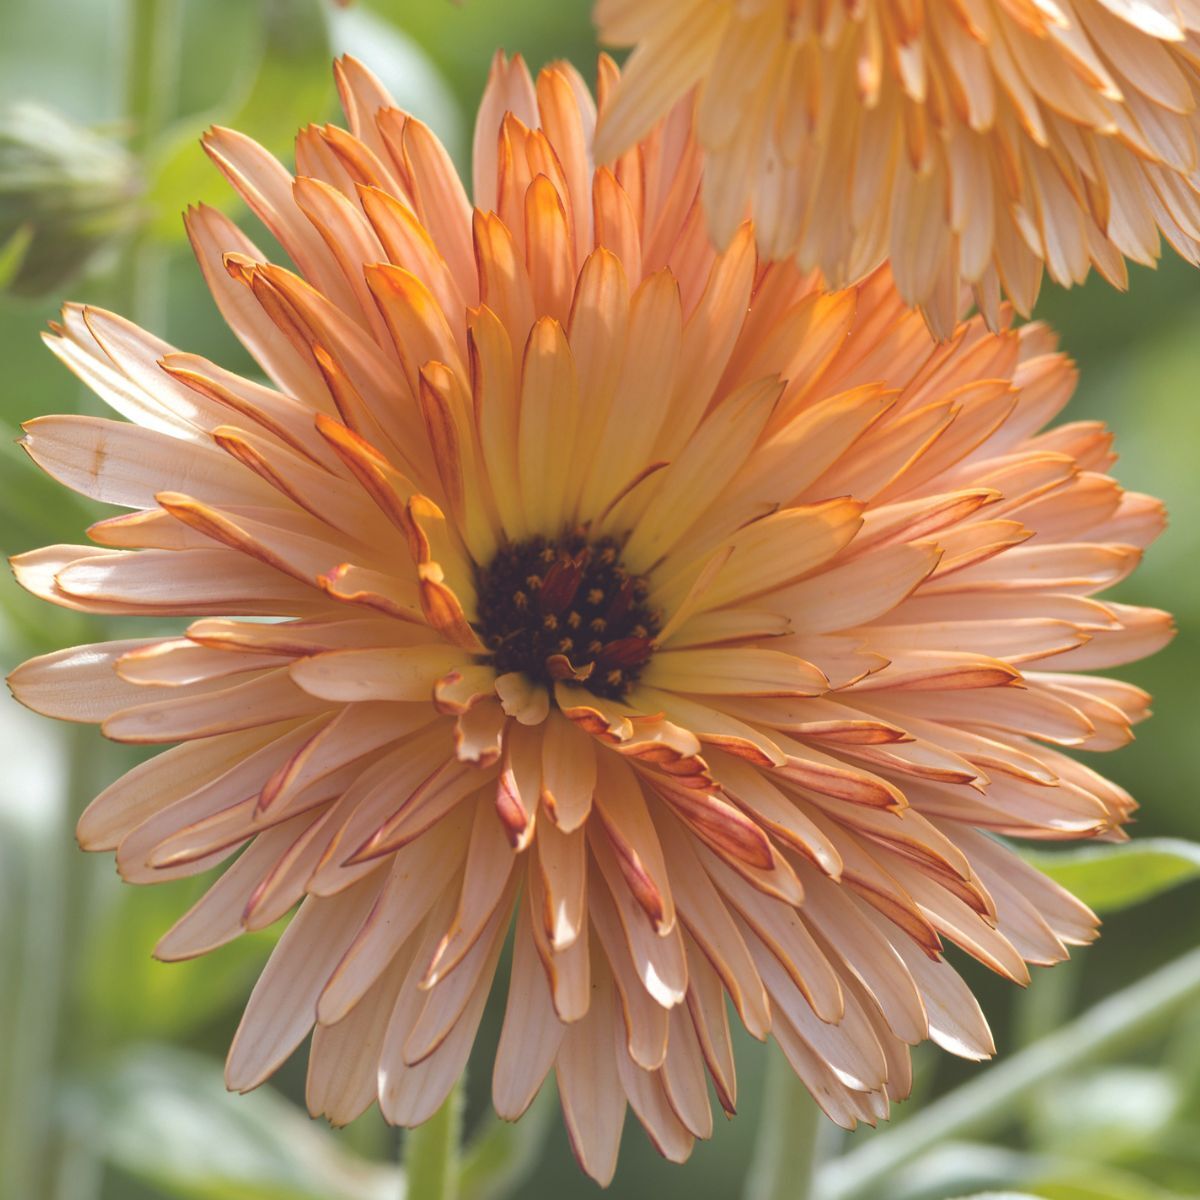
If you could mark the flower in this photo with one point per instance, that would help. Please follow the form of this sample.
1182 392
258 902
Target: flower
970 143
698 624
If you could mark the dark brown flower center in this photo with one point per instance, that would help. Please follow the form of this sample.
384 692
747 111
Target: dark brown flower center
566 609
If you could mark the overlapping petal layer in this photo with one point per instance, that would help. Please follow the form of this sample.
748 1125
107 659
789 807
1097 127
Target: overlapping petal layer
972 141
844 590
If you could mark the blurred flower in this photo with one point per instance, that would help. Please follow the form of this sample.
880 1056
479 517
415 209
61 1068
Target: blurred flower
969 142
618 600
66 195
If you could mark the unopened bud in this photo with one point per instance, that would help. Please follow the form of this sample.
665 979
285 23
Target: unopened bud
66 195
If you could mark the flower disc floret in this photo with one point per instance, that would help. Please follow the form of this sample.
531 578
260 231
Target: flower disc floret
566 608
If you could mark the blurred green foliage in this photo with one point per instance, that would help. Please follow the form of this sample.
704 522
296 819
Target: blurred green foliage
1109 878
110 1068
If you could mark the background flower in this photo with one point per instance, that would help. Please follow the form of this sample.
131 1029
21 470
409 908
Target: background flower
970 143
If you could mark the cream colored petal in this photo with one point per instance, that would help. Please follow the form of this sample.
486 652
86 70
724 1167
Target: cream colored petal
702 469
216 918
212 235
649 1102
712 726
549 403
849 938
163 583
736 672
625 441
710 1019
645 1019
849 1047
682 1076
653 80
343 1061
658 959
263 700
399 673
531 1033
812 536
776 811
568 773
786 935
80 683
410 1095
486 871
621 809
179 662
706 917
283 1006
355 731
562 860
266 186
589 1087
569 970
419 872
523 699
121 463
519 786
449 995
164 779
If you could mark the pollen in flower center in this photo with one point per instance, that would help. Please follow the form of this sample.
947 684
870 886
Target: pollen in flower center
566 608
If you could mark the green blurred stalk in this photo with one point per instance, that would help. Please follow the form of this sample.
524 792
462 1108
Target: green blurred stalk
1047 1003
151 78
789 1131
503 1154
150 72
1115 1024
26 1136
431 1152
150 68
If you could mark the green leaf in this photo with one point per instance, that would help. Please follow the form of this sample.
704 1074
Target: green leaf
1083 1181
135 996
1105 1115
291 84
164 1118
1000 1196
1109 878
12 253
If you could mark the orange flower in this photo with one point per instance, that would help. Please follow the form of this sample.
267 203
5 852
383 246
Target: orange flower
968 140
703 624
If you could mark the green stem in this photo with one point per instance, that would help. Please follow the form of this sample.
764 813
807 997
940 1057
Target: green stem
62 906
789 1132
1046 1004
151 71
35 859
431 1152
503 1154
153 57
988 1101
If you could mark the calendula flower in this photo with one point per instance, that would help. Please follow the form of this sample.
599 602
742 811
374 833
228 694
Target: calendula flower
969 142
701 626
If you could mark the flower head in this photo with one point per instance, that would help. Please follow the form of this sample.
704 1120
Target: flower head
969 142
701 625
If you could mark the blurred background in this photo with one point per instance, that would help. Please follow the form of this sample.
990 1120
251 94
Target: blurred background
110 1063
